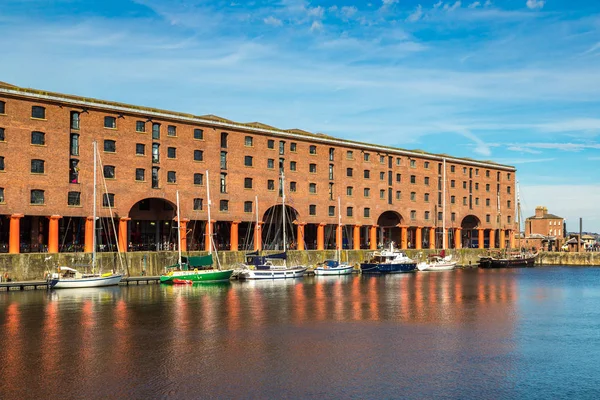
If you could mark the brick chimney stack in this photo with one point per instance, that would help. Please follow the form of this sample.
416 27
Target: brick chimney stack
540 211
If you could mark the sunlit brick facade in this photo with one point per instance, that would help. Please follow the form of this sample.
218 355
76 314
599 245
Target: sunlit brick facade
147 155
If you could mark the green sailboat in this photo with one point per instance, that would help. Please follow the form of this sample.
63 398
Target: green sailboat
195 269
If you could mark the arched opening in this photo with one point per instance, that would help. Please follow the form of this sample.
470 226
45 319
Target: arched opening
272 231
153 225
389 229
470 236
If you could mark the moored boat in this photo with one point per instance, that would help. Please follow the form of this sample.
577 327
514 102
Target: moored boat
263 267
390 261
333 267
510 260
437 262
195 269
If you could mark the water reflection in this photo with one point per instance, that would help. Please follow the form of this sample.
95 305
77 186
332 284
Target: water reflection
156 340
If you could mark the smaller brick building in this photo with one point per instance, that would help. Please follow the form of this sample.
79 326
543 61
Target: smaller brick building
544 230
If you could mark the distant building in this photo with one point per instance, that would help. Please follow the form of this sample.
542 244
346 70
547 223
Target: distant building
544 229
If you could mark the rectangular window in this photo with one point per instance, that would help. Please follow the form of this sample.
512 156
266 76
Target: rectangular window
426 197
171 152
293 187
312 150
224 136
349 190
108 200
197 204
487 202
37 196
2 163
223 160
476 171
452 168
247 183
398 177
464 201
349 211
312 209
109 171
349 155
223 183
312 168
248 141
349 172
171 177
508 203
476 185
2 137
367 156
198 134
508 219
413 196
426 164
413 163
73 171
312 188
464 170
37 166
452 199
248 161
171 130
476 201
270 163
464 184
367 212
293 147
367 192
110 122
487 187
224 205
487 173
38 138
140 174
487 218
155 153
198 179
508 189
140 126
440 216
1 195
382 176
2 107
140 149
292 165
382 159
110 146
330 171
426 215
382 194
281 147
75 120
366 174
508 176
38 112
413 179
247 206
398 161
198 155
453 217
426 181
330 191
74 199
155 130
452 183
270 144
413 215
331 211
155 177
398 195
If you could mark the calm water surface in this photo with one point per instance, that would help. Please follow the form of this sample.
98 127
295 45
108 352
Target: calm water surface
525 333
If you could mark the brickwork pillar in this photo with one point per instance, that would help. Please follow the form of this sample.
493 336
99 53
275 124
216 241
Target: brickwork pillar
418 237
183 233
89 235
492 239
53 234
458 238
373 237
321 237
432 238
356 238
14 240
258 237
480 238
300 235
404 237
122 234
339 237
207 234
502 238
511 235
233 236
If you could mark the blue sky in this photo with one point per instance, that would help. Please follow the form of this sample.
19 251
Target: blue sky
512 81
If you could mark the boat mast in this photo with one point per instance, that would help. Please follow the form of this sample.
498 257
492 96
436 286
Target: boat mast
444 205
339 234
519 215
283 209
178 231
94 210
208 208
257 234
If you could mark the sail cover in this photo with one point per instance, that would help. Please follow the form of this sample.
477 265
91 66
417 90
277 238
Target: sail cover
278 256
201 261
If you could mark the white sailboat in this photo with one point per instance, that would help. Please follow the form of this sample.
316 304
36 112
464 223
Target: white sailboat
440 262
274 266
335 267
69 278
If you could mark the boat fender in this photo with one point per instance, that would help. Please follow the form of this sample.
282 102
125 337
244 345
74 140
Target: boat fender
195 270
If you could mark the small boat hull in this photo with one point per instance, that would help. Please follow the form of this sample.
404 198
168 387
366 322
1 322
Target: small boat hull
273 273
197 276
96 281
387 268
436 266
338 270
491 262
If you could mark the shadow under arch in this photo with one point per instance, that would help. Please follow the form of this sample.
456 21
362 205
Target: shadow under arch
272 230
153 225
470 234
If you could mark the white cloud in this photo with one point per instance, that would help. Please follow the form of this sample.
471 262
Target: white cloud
332 9
348 11
273 21
535 4
387 3
415 15
522 149
316 26
452 7
316 12
474 4
592 49
438 4
488 3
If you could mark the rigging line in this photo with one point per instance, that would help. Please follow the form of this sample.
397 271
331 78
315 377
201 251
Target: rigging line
112 218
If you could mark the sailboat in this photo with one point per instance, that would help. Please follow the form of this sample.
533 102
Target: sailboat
69 278
264 267
195 269
440 262
516 259
335 267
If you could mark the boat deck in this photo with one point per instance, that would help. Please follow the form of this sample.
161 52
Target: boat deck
32 285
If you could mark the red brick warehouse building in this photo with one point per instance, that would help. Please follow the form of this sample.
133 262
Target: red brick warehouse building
147 155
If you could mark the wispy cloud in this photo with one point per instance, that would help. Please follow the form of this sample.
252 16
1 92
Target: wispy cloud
475 4
452 7
535 4
273 21
415 15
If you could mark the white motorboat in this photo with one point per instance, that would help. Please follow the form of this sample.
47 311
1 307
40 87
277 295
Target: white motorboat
437 263
69 278
333 267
